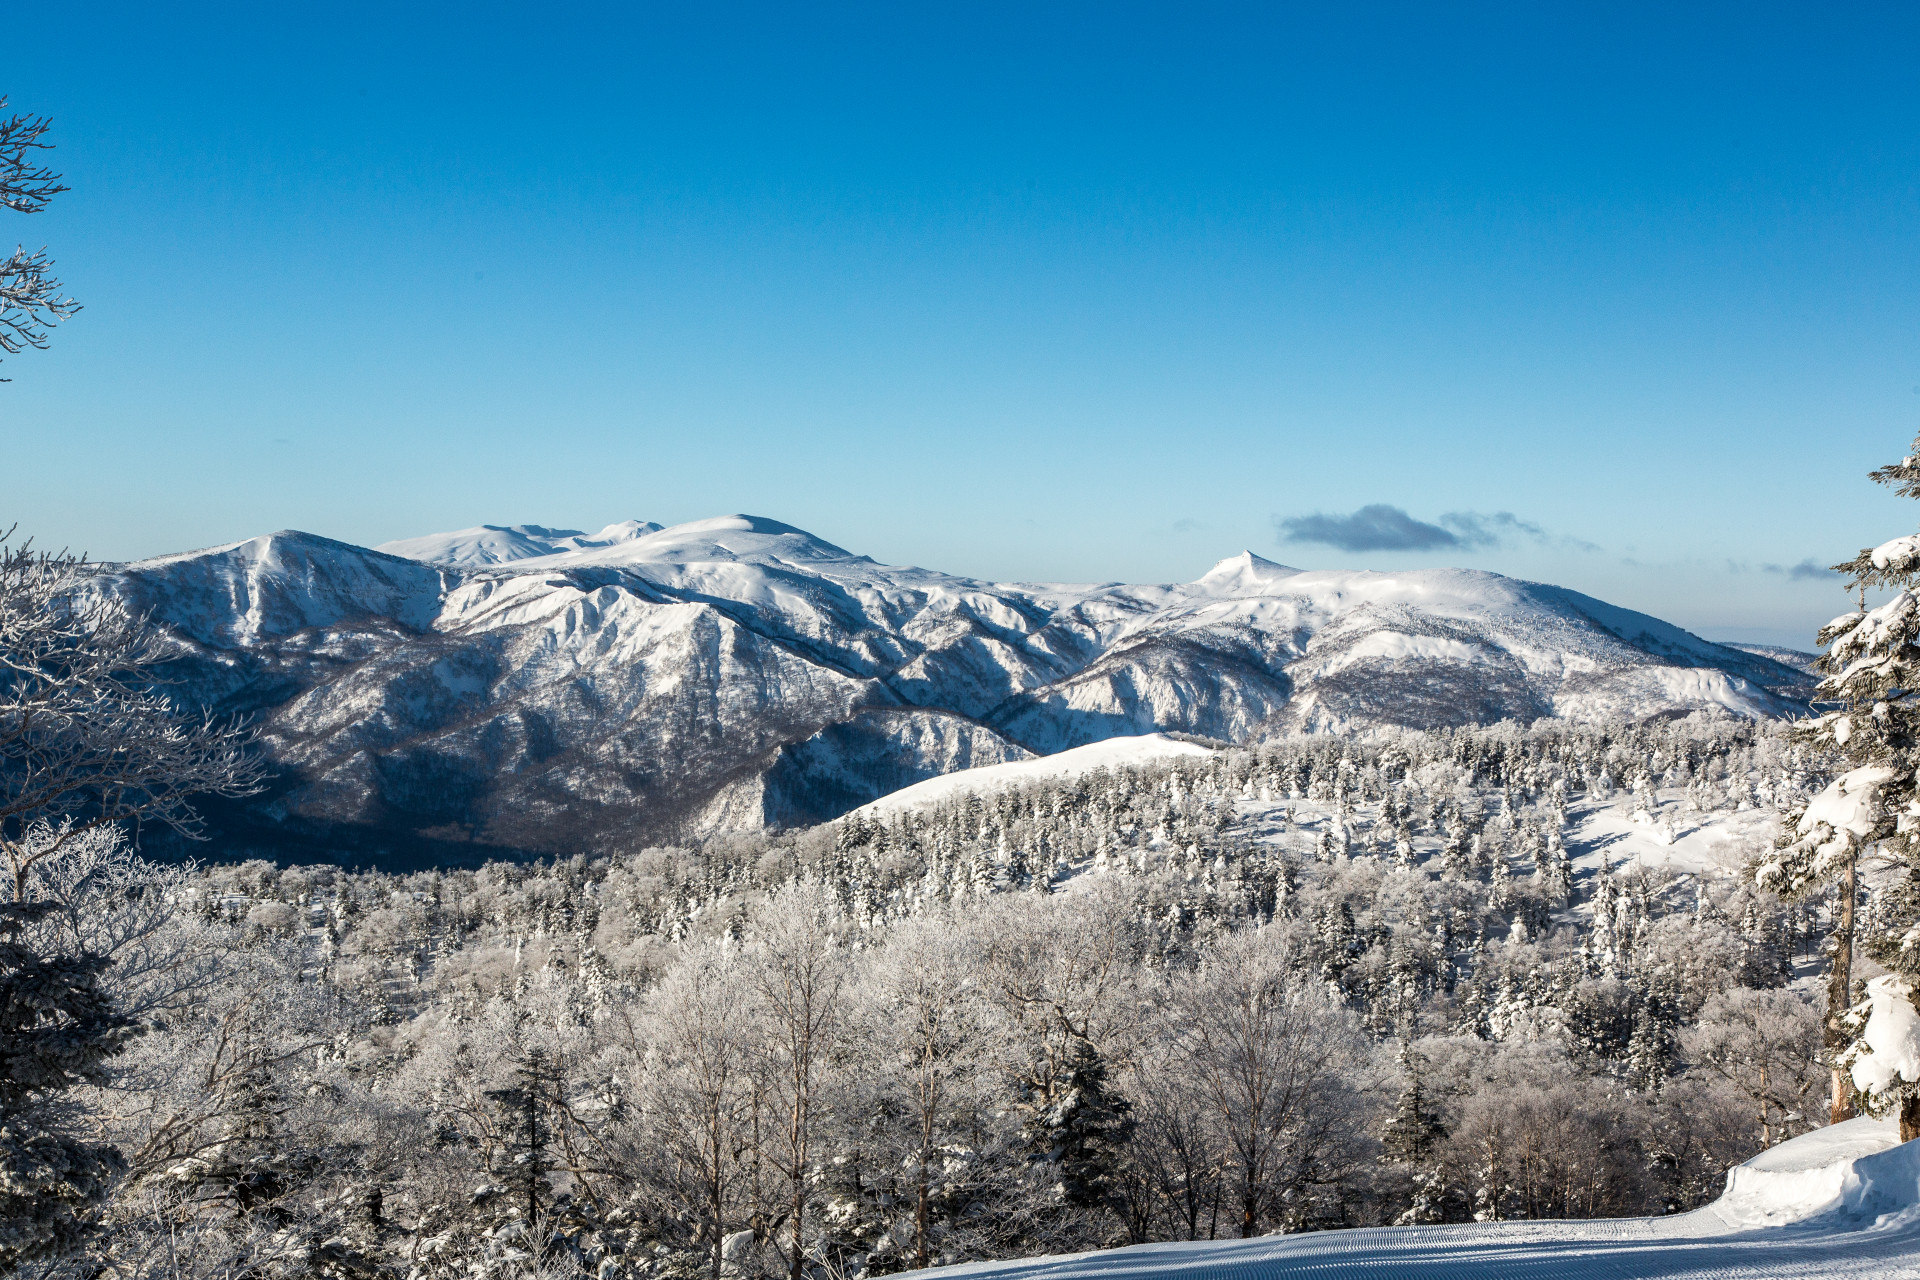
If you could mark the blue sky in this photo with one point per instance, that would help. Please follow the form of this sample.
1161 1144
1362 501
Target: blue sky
1625 299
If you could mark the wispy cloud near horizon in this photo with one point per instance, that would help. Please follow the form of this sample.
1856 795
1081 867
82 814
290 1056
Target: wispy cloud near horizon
1381 526
1805 571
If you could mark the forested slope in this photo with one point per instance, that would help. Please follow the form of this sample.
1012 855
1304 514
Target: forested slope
1488 974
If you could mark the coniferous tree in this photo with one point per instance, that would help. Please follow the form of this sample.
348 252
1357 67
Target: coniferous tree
1083 1132
527 1136
58 1028
1871 666
1408 1140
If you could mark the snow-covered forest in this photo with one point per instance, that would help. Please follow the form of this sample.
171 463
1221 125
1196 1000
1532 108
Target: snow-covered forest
1417 977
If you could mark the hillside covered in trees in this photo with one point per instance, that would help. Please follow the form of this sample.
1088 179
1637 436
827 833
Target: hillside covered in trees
1324 982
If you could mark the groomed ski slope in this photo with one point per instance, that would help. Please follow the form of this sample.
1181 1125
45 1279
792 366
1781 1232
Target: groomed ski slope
1843 1201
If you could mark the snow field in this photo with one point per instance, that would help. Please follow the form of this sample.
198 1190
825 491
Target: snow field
1842 1201
1112 753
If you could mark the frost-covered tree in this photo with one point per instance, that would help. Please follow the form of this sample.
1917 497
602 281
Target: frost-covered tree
1264 1050
1760 1043
928 1024
58 1028
30 298
87 740
1871 666
801 971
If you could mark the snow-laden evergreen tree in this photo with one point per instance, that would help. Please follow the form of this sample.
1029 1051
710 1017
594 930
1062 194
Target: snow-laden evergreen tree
58 1028
1872 668
1079 1137
1408 1139
526 1136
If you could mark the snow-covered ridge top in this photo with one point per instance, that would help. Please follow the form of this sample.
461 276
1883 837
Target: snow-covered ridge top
492 544
1113 753
535 549
778 569
761 541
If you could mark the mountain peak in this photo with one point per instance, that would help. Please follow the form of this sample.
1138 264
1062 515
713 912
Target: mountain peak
1244 571
741 537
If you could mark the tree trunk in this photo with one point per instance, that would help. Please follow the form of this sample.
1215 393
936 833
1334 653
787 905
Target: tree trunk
1909 1118
920 1213
1840 996
1766 1129
797 1144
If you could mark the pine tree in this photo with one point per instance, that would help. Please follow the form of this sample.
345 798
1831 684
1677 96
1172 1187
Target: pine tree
1872 667
1408 1139
1412 1130
1083 1132
526 1136
58 1028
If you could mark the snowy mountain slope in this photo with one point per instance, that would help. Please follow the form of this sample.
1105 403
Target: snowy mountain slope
1111 753
1797 659
491 544
506 689
1836 1202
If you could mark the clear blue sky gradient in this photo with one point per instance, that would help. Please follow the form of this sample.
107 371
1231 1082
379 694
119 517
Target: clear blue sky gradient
1023 291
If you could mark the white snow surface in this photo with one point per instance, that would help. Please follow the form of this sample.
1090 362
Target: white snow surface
493 544
1112 753
1892 1037
1847 803
1841 1201
1898 555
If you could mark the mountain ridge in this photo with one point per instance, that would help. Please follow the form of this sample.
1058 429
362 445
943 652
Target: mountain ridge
648 683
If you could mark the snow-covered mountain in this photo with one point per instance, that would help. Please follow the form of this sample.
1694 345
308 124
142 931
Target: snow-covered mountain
522 688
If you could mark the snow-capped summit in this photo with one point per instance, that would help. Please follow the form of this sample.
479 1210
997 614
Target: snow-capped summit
737 537
527 688
1244 574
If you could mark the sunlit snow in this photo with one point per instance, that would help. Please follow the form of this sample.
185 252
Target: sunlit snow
1841 1201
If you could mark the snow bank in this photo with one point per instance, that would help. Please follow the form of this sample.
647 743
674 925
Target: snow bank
1880 1191
1110 753
1815 1174
1839 1202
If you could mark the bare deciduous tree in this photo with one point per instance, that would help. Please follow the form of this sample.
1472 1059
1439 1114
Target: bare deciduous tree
85 737
925 1004
802 971
1763 1043
1264 1048
703 1091
30 298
